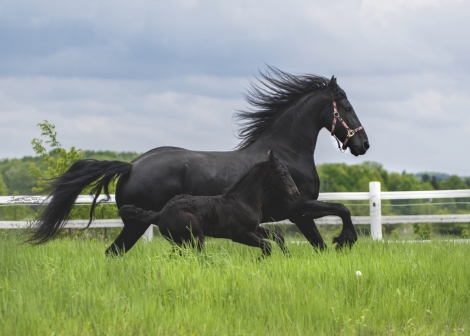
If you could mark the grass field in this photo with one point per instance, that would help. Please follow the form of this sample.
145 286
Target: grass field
68 287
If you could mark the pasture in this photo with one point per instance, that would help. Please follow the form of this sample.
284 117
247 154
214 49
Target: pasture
68 287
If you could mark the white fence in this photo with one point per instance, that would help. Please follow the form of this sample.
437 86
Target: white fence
375 197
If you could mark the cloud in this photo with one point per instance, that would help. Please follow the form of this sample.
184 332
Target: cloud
136 75
116 115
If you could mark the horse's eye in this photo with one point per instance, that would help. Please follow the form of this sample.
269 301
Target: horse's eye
348 108
283 173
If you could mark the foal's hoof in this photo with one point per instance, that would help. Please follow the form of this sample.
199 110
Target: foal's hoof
286 252
262 257
320 247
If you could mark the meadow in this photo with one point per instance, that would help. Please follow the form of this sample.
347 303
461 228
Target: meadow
68 287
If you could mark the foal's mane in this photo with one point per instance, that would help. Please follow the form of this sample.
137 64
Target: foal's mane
241 179
275 91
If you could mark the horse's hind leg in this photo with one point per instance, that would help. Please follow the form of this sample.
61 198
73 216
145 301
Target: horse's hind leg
273 235
132 231
251 239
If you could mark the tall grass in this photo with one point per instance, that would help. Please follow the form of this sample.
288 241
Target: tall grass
68 287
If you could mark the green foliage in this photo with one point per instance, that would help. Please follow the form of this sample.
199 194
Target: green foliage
11 212
15 175
15 172
339 177
465 233
30 174
3 187
422 230
55 162
394 235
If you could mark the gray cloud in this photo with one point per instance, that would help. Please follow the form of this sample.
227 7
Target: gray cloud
135 75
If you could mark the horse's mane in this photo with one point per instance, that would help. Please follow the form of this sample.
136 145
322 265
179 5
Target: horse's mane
241 179
275 91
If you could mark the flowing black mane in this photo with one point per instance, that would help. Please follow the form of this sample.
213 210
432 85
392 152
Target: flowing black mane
275 91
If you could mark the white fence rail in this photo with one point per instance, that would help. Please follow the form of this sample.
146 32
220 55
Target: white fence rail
375 197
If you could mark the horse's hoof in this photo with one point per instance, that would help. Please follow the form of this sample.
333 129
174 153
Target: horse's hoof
344 239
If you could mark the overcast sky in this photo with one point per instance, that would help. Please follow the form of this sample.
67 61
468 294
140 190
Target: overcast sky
135 75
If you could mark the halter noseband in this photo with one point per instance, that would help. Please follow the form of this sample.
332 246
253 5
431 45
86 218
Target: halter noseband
350 131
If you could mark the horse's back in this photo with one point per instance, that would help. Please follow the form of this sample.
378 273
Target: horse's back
160 174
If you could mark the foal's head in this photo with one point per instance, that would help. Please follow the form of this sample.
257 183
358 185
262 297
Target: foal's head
280 178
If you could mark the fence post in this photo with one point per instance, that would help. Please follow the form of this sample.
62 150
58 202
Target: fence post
375 211
148 235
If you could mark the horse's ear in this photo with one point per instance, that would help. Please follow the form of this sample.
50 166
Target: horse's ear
333 84
272 158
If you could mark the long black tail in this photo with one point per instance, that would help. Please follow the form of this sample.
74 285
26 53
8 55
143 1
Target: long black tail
131 211
64 190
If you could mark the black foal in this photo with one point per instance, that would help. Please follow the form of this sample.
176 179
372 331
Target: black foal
235 215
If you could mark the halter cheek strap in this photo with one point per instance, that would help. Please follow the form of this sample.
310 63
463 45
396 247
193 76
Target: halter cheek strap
350 133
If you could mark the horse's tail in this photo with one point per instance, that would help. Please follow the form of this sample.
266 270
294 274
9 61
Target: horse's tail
131 211
64 190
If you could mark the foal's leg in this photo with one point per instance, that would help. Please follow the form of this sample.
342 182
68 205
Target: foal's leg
193 238
251 239
273 235
176 241
196 241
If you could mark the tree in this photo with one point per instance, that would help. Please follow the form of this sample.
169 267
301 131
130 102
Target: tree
56 162
3 187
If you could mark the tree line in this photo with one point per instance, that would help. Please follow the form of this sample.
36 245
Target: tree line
28 175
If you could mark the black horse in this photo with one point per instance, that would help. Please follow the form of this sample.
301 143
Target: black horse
287 114
235 215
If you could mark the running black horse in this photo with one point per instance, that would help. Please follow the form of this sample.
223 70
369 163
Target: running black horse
235 215
287 115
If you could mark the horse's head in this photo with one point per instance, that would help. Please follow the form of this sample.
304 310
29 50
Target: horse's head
341 119
280 178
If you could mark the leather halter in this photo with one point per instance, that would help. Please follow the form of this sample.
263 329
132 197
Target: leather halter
350 131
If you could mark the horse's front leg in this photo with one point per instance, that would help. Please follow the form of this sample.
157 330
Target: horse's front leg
307 226
315 209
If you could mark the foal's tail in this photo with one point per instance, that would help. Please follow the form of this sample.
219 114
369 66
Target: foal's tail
64 189
148 217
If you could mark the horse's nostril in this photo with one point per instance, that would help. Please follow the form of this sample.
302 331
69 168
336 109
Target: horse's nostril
366 145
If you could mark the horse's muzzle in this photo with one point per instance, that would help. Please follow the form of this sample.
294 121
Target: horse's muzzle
293 193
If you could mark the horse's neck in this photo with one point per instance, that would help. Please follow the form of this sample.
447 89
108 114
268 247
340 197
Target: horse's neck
253 186
296 130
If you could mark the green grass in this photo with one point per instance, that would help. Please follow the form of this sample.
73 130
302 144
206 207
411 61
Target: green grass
68 287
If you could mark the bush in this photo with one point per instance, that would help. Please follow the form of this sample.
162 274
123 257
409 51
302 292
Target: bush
422 230
394 235
465 233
